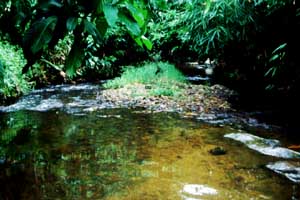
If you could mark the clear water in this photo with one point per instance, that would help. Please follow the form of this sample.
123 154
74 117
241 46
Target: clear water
63 152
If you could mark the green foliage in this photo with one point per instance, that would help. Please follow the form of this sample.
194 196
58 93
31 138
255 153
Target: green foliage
12 82
117 49
213 24
41 34
14 16
278 56
242 35
169 34
162 78
92 19
150 73
45 22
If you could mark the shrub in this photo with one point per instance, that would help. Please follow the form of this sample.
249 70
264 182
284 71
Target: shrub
12 82
162 78
150 73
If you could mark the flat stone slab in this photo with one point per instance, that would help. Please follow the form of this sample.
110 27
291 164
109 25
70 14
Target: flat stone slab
290 170
269 147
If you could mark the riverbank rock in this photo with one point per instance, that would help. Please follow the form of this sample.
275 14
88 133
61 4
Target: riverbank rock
269 147
218 151
290 170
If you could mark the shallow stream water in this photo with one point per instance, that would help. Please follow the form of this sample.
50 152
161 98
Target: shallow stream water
54 147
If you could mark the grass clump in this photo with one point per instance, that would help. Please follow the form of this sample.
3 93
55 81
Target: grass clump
160 78
12 82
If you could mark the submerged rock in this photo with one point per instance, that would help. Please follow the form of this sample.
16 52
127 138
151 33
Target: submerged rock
290 170
218 151
265 146
195 191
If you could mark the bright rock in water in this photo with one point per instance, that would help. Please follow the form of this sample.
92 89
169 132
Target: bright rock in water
194 191
288 169
265 146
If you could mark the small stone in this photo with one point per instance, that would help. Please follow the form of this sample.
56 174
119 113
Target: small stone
218 151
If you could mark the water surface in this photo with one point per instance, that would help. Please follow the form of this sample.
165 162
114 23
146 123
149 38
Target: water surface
64 151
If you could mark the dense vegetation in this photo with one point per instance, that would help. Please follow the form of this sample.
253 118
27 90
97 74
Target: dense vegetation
253 43
12 82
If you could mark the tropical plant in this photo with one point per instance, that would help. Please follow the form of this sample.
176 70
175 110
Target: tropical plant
42 23
83 19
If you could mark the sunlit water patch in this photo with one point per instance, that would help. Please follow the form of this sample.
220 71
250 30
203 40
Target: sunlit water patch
112 154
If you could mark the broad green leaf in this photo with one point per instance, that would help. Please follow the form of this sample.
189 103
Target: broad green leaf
41 33
75 58
111 14
137 15
147 42
71 23
139 41
101 25
90 28
131 26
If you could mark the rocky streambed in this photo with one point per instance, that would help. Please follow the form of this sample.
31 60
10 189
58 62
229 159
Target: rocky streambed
193 99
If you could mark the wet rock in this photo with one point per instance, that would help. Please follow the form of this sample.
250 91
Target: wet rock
290 170
84 98
196 191
218 151
265 146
